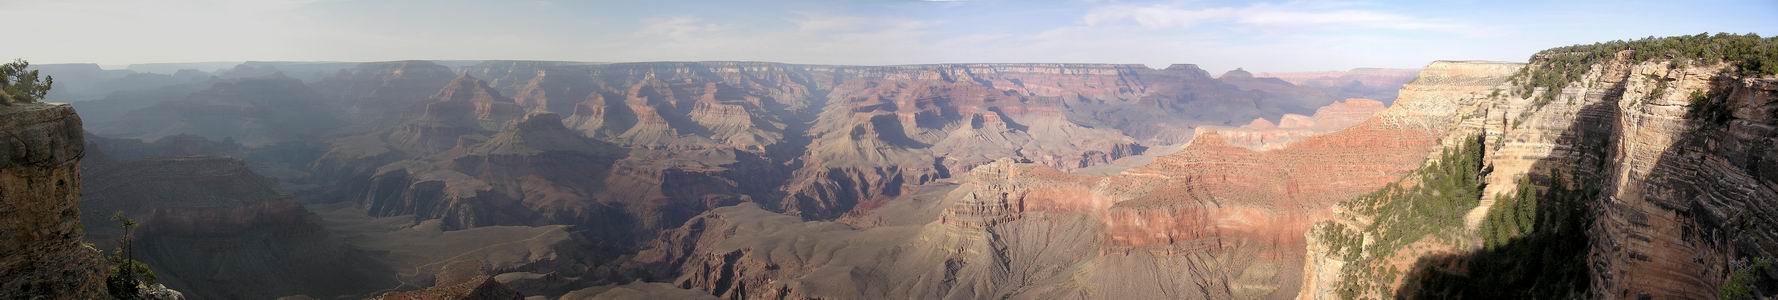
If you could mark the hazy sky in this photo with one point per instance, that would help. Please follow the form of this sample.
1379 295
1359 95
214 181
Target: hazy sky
1219 35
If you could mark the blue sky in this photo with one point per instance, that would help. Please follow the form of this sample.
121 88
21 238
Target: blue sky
1219 35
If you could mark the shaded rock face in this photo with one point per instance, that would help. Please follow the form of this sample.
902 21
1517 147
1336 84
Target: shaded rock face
261 250
1690 199
40 234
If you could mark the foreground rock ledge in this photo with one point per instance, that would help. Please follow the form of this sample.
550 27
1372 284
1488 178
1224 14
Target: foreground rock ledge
40 250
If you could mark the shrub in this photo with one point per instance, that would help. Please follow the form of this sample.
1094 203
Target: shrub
1711 108
1741 283
127 273
1552 70
18 84
1448 187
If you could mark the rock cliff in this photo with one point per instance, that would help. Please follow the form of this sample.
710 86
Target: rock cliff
1607 172
41 252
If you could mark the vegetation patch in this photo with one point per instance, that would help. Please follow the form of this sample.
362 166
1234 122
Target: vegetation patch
1553 69
1710 108
19 84
1534 241
1741 283
128 276
1431 207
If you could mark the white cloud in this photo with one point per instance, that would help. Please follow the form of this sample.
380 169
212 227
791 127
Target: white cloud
812 37
1289 16
677 28
1156 16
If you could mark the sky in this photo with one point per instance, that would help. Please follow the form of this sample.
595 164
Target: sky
1217 35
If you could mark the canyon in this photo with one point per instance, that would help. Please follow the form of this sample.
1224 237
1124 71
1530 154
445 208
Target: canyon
599 158
1634 176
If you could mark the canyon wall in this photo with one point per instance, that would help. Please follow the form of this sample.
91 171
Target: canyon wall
1691 182
1649 178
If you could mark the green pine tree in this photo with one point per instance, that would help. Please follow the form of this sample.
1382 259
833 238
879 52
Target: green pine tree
19 84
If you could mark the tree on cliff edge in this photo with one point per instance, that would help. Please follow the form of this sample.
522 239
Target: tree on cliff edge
128 275
20 85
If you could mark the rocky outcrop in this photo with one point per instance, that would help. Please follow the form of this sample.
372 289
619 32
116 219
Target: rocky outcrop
41 253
